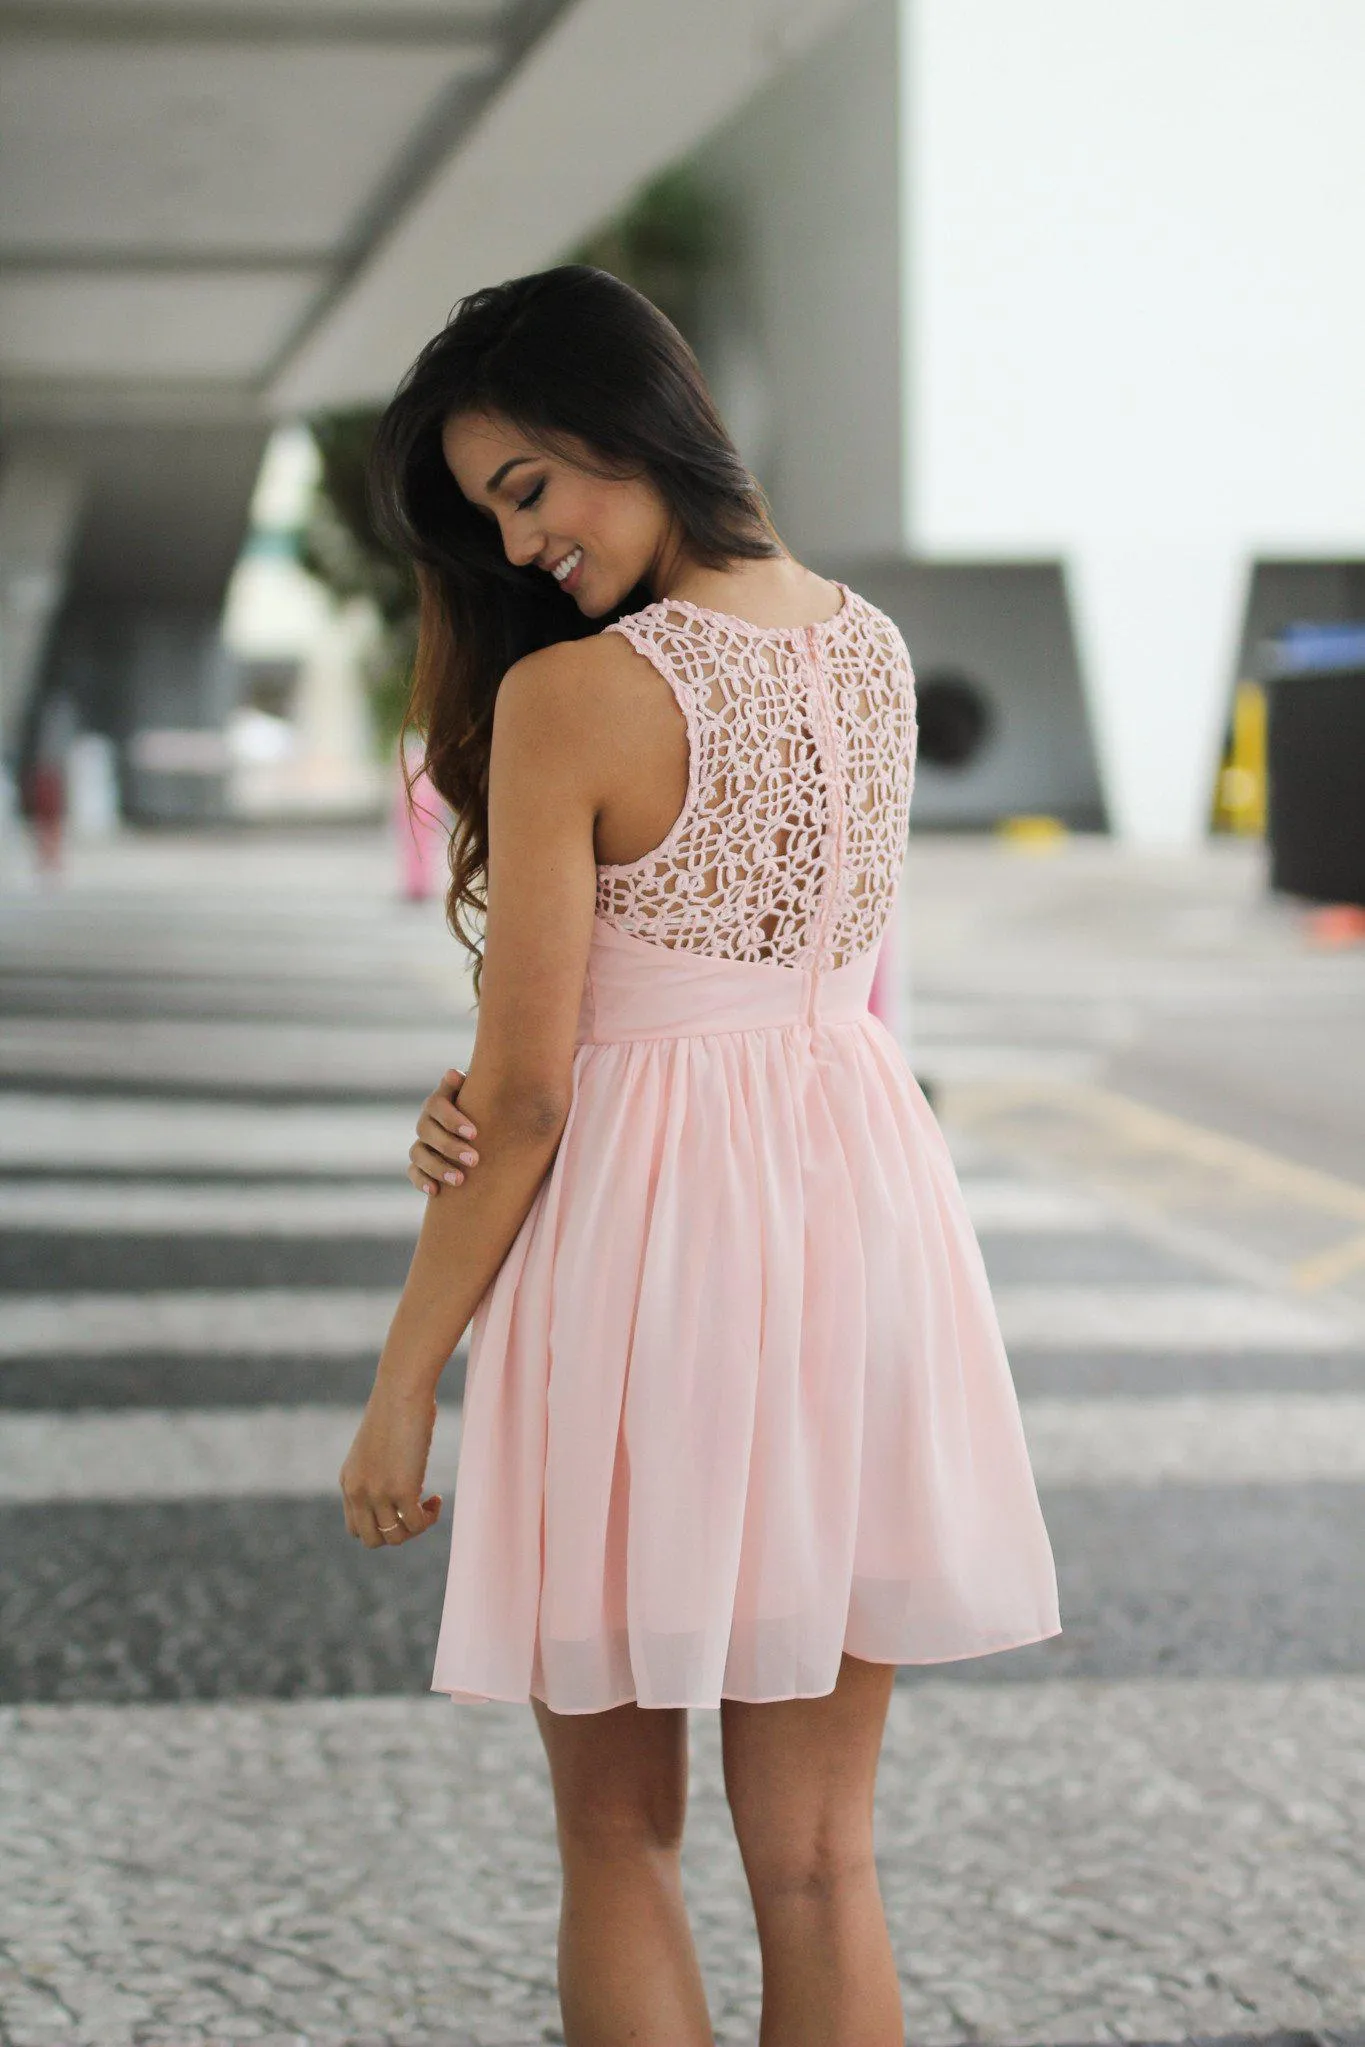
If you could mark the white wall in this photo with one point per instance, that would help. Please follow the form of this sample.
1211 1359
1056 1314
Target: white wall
1135 312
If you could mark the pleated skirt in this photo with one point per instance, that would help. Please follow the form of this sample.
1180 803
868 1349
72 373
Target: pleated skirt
737 1399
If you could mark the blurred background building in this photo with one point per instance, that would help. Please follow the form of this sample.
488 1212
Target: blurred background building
1041 325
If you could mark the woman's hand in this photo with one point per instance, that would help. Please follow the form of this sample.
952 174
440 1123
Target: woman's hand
442 1151
381 1480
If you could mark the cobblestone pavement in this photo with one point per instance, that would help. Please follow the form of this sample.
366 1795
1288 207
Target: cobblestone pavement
1062 1861
230 1808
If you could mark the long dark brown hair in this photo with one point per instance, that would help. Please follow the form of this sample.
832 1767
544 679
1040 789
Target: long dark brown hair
570 352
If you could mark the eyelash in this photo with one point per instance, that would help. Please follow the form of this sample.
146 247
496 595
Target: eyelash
525 504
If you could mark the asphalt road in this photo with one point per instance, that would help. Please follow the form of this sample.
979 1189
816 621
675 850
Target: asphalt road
219 1756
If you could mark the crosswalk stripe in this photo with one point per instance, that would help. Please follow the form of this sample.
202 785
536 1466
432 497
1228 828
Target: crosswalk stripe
195 1453
162 1050
317 1320
64 1132
957 1061
1197 1439
1176 1318
1032 1208
391 1209
257 1321
192 1453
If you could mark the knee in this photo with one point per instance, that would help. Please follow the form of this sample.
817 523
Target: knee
616 1829
817 1865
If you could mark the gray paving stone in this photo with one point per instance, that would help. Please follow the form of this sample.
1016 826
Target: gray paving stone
1070 1863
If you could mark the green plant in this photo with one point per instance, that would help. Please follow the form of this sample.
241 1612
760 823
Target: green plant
663 242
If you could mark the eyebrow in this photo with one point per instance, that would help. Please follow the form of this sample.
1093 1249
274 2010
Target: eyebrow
498 474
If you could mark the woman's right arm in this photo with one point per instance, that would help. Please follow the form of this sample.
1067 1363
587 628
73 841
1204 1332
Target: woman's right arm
443 1151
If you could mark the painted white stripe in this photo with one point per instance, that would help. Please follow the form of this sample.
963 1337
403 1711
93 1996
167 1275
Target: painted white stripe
193 1453
201 1322
1175 1318
184 1454
328 1209
1197 1439
64 1132
82 1207
304 1055
316 1321
1033 1208
953 1061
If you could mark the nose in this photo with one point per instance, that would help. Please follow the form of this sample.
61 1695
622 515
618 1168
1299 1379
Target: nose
521 543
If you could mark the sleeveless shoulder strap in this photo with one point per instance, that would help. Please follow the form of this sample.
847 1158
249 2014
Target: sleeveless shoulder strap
682 659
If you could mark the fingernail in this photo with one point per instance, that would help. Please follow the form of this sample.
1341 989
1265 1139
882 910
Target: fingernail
467 1130
453 1178
466 1158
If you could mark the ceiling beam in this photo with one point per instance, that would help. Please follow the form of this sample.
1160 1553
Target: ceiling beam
612 92
501 34
131 260
429 145
87 27
28 400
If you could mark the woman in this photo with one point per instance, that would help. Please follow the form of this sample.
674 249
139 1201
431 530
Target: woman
739 1430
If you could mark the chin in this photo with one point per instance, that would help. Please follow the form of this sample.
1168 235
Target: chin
594 606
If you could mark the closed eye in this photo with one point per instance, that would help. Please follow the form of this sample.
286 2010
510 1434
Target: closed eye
531 498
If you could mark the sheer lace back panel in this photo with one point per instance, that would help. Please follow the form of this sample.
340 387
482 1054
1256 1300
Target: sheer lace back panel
792 837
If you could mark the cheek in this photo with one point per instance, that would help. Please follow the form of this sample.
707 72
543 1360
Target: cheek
613 523
590 519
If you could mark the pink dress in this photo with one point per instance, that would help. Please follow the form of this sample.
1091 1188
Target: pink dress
737 1399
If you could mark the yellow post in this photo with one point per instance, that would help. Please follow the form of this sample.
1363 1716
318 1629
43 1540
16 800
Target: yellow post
1240 797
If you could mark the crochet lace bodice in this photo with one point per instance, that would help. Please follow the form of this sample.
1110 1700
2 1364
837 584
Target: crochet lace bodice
801 742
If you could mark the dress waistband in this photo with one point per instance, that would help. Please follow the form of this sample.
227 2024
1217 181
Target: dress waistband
636 988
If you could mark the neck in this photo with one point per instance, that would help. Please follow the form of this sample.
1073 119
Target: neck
671 565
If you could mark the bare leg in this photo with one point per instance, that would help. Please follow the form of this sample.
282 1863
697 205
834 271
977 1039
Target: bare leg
800 1775
628 1971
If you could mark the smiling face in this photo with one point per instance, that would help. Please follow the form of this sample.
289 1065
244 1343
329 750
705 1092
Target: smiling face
597 537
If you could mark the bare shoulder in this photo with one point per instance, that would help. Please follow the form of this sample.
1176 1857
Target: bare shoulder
576 688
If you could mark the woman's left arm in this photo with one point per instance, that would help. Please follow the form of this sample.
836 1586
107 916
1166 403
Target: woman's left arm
543 800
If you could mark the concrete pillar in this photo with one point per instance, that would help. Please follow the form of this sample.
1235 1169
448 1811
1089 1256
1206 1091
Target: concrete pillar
40 506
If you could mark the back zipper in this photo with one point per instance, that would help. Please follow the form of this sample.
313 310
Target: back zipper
826 743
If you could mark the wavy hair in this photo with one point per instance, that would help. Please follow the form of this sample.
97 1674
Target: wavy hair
571 352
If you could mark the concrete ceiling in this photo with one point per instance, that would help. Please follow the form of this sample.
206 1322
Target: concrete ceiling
242 208
187 187
610 93
218 213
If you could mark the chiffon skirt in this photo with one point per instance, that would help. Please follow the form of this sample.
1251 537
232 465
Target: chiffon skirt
737 1399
